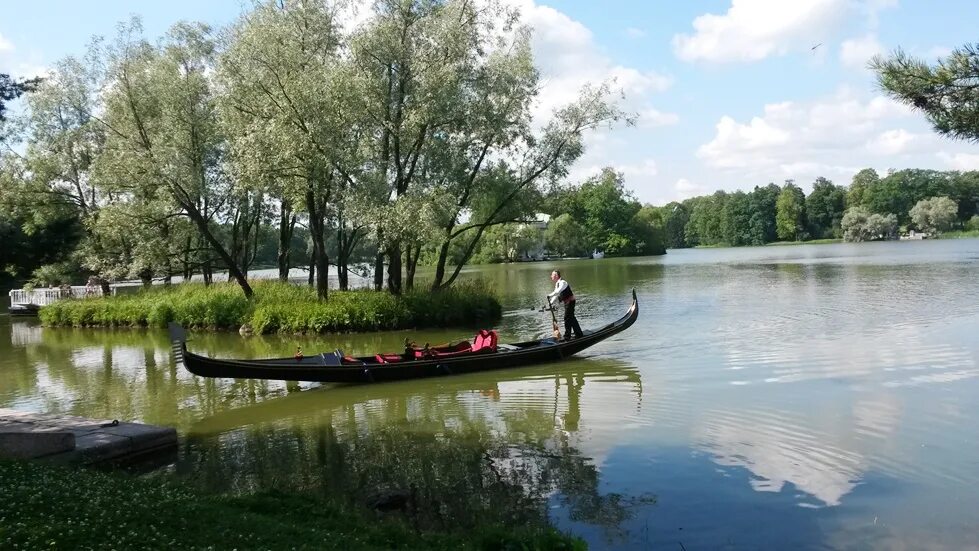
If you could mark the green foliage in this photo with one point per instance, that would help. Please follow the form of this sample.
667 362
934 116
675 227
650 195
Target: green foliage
124 512
899 191
948 92
736 221
648 235
790 213
972 224
279 307
824 209
934 215
602 214
858 186
676 216
566 237
859 224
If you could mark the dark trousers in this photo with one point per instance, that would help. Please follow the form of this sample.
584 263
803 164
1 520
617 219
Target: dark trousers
570 322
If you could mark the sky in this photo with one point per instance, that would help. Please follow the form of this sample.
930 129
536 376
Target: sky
728 94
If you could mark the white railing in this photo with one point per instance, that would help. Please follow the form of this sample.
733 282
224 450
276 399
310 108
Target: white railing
46 295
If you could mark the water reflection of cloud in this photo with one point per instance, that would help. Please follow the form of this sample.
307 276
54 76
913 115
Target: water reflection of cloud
777 452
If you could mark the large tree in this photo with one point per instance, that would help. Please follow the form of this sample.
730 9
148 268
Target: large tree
947 92
287 110
824 209
790 213
163 141
934 215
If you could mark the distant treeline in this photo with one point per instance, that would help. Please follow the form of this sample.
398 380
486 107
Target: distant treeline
785 213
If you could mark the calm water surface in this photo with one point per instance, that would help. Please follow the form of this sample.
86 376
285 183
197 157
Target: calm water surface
818 396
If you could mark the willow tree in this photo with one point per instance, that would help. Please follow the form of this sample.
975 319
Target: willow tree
449 88
286 110
163 140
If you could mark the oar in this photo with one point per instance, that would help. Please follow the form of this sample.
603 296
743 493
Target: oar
557 332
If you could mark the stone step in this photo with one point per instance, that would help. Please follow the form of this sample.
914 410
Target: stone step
78 440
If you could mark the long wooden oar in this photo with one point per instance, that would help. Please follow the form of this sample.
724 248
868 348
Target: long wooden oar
557 332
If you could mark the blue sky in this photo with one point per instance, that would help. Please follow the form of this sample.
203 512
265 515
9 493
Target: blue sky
730 93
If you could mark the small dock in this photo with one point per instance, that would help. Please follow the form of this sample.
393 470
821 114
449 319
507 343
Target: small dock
77 440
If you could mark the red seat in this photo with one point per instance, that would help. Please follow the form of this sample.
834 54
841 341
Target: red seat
485 341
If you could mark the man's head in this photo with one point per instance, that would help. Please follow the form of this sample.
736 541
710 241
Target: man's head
555 275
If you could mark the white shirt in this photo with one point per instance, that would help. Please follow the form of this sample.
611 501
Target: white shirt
559 286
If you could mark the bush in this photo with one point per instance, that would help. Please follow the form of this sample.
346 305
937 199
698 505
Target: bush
280 307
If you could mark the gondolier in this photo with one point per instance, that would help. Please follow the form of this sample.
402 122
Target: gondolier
563 293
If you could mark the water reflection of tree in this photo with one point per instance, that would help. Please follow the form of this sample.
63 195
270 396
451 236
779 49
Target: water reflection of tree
442 462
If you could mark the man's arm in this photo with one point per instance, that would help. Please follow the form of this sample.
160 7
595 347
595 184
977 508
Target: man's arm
558 287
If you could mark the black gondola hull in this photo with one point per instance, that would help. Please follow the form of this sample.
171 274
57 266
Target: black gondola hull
317 369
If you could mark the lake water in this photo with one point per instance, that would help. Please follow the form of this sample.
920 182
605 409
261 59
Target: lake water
821 396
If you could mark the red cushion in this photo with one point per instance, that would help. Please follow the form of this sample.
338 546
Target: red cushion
485 340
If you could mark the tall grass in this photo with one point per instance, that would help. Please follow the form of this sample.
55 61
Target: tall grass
279 307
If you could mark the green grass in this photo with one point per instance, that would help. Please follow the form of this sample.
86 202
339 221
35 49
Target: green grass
280 307
50 507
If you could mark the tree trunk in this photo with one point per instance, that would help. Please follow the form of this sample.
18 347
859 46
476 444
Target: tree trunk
413 253
394 269
342 259
188 267
312 267
317 231
287 224
233 269
146 278
442 260
379 263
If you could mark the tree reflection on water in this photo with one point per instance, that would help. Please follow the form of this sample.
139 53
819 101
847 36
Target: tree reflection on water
454 458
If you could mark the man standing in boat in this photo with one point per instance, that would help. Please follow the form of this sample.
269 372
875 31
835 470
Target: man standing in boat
562 292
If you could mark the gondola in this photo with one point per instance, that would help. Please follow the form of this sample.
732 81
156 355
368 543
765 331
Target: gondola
482 354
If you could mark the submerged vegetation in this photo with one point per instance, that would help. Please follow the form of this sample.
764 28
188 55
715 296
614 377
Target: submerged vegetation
280 307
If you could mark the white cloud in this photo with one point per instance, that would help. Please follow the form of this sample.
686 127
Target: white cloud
17 64
856 52
644 169
751 30
686 189
831 137
633 32
650 118
569 58
5 45
960 161
891 142
755 29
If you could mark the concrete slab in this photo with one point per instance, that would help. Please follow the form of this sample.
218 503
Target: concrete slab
31 445
94 440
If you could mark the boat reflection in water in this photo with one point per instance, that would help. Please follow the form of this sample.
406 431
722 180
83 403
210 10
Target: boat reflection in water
463 451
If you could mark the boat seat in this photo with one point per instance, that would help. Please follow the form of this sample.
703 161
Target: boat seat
485 341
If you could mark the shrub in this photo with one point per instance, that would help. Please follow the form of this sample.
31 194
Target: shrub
280 307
